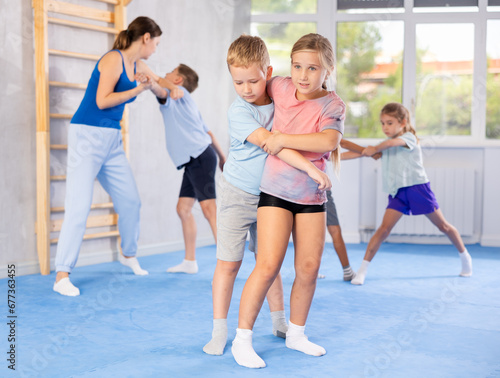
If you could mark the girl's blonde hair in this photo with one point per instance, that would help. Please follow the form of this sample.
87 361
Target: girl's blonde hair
398 111
136 29
320 44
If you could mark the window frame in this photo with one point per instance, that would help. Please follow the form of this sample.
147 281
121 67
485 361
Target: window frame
327 19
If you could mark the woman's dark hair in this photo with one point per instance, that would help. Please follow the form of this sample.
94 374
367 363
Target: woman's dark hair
136 29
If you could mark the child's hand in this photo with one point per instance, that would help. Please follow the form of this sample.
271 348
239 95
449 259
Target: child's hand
321 178
176 93
221 164
273 144
369 151
377 156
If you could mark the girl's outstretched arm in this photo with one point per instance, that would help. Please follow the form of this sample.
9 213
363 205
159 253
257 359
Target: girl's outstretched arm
350 155
324 141
393 142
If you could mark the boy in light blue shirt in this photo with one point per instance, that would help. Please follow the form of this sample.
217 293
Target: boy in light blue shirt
193 147
250 120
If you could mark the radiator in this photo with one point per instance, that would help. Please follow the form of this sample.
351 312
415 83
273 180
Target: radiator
454 190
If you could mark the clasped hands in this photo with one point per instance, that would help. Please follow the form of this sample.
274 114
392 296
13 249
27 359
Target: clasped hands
273 144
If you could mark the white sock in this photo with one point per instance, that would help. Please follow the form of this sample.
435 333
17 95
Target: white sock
279 323
361 273
133 264
65 287
186 266
296 339
219 338
243 351
349 274
466 264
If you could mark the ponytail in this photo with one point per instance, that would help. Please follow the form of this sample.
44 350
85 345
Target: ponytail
335 158
122 41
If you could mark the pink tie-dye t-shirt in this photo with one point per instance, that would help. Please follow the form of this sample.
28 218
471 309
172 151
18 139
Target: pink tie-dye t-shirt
292 116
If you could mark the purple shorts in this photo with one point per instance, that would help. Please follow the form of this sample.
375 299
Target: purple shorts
414 200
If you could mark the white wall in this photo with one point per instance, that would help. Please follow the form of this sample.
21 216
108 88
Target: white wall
196 33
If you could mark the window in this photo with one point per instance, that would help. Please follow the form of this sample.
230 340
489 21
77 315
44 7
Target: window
444 78
369 72
493 81
284 6
280 38
425 54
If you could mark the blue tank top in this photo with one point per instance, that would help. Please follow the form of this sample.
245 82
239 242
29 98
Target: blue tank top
88 112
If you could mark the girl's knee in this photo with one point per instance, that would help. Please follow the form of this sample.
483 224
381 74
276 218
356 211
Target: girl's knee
307 270
445 227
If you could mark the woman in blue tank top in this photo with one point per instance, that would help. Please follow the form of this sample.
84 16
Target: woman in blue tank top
95 148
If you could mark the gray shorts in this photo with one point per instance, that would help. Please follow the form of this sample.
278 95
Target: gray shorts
236 216
331 211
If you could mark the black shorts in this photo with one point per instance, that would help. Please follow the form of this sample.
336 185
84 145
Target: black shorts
294 208
199 176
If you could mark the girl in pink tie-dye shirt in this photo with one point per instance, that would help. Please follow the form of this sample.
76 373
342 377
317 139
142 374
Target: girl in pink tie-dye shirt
310 119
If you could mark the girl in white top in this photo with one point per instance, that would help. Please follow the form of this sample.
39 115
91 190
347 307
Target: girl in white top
405 180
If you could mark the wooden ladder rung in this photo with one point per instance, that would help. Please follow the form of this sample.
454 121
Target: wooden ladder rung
58 146
82 25
105 205
80 11
113 2
92 222
61 116
67 85
58 177
97 235
74 54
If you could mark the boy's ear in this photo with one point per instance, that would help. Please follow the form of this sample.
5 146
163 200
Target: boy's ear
269 72
179 80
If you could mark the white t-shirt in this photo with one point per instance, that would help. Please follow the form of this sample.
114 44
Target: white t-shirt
402 166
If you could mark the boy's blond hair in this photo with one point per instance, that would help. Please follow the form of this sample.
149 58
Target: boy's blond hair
247 50
189 76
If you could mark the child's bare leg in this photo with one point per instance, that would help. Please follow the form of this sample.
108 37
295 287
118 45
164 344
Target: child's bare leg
391 217
222 291
277 307
209 209
308 239
437 218
274 228
184 210
339 246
